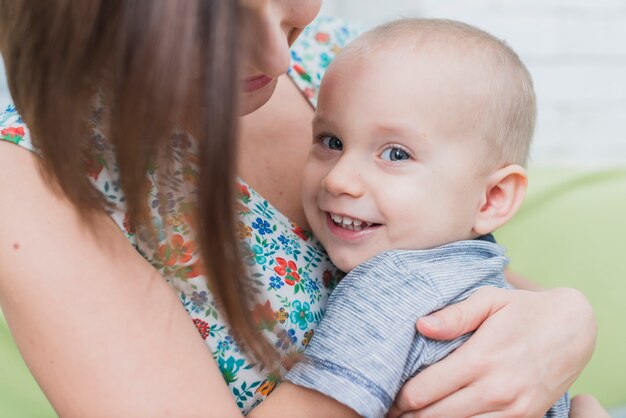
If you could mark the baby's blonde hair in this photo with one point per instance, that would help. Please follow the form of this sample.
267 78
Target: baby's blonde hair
508 122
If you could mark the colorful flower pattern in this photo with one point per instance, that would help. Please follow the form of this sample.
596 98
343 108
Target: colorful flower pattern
288 269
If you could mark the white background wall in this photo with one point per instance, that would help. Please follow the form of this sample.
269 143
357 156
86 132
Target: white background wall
575 50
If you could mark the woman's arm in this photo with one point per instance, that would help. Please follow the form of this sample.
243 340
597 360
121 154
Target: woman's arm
101 332
289 400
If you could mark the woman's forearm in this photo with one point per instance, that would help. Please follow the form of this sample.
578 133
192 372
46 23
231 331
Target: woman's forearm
289 400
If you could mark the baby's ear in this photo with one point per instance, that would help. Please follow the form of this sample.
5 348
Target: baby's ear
502 197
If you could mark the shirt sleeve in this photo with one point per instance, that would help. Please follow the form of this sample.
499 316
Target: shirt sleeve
360 351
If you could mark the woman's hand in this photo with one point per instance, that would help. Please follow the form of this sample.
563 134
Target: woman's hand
527 350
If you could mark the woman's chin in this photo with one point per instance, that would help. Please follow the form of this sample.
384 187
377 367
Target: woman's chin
252 101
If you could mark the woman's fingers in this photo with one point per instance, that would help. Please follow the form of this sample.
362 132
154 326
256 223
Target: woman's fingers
466 402
463 317
586 406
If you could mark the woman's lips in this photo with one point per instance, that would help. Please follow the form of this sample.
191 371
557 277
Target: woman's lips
255 83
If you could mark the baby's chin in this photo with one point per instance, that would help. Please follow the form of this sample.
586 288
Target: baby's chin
346 264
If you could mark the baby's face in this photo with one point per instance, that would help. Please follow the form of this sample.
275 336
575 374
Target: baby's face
394 162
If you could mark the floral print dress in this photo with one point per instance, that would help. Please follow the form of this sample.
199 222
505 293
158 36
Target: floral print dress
288 269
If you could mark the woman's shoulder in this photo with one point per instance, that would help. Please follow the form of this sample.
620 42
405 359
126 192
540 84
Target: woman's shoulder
315 49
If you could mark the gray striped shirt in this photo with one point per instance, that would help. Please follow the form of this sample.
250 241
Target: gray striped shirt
366 347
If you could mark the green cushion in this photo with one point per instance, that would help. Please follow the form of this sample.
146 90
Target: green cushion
20 395
571 232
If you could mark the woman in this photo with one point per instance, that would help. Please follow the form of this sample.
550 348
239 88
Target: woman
156 66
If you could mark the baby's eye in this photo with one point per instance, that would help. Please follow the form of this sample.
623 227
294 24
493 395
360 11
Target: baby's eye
332 142
395 154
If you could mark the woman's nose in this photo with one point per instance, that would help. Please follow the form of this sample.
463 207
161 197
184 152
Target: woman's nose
268 42
344 179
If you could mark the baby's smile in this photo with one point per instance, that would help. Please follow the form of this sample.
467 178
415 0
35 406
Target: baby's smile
347 228
349 223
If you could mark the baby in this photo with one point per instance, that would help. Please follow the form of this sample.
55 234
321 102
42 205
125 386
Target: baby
420 140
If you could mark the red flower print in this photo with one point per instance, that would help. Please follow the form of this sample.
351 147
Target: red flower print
12 132
203 327
243 193
322 37
195 270
327 278
301 72
178 251
288 270
263 316
305 235
93 168
128 225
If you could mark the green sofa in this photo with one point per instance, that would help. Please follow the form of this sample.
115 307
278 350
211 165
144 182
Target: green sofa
570 232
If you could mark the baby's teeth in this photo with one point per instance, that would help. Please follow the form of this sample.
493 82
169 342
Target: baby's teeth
350 223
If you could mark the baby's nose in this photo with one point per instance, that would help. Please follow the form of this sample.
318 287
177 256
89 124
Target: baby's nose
344 179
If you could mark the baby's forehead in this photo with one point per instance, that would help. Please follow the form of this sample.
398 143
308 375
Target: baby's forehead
459 71
435 38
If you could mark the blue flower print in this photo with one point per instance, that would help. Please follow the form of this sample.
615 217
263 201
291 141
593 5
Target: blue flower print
301 315
262 226
227 344
290 246
199 301
231 341
223 346
276 282
286 339
283 239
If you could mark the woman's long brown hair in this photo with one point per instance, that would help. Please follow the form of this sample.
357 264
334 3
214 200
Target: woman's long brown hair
156 64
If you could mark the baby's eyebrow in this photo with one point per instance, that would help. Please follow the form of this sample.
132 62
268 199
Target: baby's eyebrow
396 129
320 118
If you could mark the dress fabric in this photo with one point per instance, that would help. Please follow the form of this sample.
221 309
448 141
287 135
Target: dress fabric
288 269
